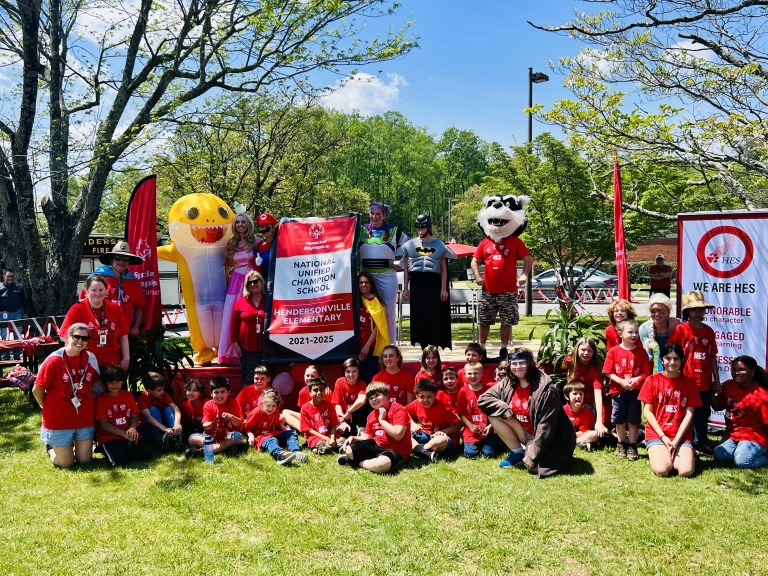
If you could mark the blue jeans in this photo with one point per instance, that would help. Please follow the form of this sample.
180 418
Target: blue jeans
275 444
422 437
16 315
744 454
166 418
486 446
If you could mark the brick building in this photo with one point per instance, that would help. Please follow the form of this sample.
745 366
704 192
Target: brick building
646 251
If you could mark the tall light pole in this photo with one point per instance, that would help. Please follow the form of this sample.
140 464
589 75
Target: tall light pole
533 78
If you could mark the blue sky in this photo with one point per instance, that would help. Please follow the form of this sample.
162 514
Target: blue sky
472 68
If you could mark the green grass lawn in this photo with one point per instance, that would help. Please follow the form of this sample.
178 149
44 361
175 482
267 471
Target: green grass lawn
247 516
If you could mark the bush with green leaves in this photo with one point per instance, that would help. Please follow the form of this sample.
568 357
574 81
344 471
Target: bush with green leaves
154 352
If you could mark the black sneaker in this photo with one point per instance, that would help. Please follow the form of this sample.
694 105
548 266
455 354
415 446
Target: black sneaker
193 452
343 460
168 442
285 458
431 455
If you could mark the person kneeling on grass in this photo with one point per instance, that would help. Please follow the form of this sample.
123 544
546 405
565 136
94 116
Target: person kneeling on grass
437 428
581 417
222 420
267 431
117 420
318 420
386 445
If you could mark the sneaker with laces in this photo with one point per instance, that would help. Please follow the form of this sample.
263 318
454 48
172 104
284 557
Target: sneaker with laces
431 455
512 459
621 450
300 457
168 442
285 458
632 452
587 446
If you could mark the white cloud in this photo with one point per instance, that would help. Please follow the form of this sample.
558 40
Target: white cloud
366 93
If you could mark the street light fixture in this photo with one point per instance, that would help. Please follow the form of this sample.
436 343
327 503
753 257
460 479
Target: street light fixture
533 78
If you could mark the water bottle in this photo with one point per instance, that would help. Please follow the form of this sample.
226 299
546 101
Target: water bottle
208 449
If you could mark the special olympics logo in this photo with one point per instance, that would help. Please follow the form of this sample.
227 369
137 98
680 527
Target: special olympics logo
143 250
316 230
725 251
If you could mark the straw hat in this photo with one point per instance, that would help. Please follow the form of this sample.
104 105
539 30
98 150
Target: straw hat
122 249
695 299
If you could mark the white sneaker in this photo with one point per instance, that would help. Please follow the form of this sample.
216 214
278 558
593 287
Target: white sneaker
300 457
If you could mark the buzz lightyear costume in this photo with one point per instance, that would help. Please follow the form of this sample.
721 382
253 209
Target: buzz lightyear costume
377 248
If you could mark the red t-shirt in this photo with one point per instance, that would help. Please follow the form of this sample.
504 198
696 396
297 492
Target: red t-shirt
612 337
437 377
400 385
366 327
435 418
113 323
133 296
146 401
396 415
304 396
262 425
345 395
249 398
500 261
55 377
518 404
589 376
746 413
192 414
212 413
247 328
117 410
318 418
466 405
583 420
664 283
626 364
669 399
699 347
486 378
448 399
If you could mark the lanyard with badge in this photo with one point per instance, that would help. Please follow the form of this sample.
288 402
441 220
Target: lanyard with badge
102 331
76 386
120 290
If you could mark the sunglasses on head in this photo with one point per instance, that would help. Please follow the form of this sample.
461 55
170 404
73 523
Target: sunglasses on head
81 337
252 282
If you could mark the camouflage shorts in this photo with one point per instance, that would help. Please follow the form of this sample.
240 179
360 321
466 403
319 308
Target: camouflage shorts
504 304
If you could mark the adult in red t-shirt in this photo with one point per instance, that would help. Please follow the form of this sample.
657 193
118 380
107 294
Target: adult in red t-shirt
661 277
64 390
745 401
499 284
106 322
247 325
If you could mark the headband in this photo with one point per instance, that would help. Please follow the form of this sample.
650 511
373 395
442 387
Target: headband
381 206
523 355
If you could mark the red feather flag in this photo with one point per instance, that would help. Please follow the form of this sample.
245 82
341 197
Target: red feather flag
618 226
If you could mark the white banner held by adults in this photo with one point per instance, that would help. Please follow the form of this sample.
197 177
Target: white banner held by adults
313 303
724 254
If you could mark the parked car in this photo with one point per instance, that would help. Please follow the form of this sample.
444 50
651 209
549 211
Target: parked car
597 285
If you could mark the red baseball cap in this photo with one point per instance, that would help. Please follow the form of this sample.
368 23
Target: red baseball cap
265 220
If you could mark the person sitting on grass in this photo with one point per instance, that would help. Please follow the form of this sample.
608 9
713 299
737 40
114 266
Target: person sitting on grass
293 417
192 408
267 431
161 418
449 394
222 420
434 428
349 400
250 395
318 420
581 417
670 400
478 435
117 420
386 444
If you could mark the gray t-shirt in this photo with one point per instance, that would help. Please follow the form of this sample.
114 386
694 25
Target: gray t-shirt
425 256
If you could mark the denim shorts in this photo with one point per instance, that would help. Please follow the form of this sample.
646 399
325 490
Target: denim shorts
626 407
61 438
649 443
422 438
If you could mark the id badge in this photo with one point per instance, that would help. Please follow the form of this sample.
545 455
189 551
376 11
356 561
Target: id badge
5 315
76 402
258 328
102 338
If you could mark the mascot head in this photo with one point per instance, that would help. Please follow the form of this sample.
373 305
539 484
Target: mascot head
200 221
503 216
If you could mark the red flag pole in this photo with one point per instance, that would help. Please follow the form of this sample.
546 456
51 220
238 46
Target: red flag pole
141 235
618 225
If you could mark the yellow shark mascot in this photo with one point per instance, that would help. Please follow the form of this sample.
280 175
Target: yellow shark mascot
200 225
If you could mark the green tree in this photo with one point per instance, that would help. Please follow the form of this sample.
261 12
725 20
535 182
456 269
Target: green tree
94 80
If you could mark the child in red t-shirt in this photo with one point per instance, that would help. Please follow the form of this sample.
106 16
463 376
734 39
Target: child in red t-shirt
434 427
385 446
627 366
222 420
349 401
478 434
700 349
449 395
399 382
266 430
117 421
161 418
250 396
670 399
318 420
431 366
474 353
292 417
618 311
581 417
584 365
192 408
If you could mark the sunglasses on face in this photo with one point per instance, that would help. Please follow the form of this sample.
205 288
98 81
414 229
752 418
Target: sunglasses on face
252 282
121 258
80 337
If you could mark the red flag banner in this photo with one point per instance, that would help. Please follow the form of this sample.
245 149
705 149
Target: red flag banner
313 302
141 235
618 226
